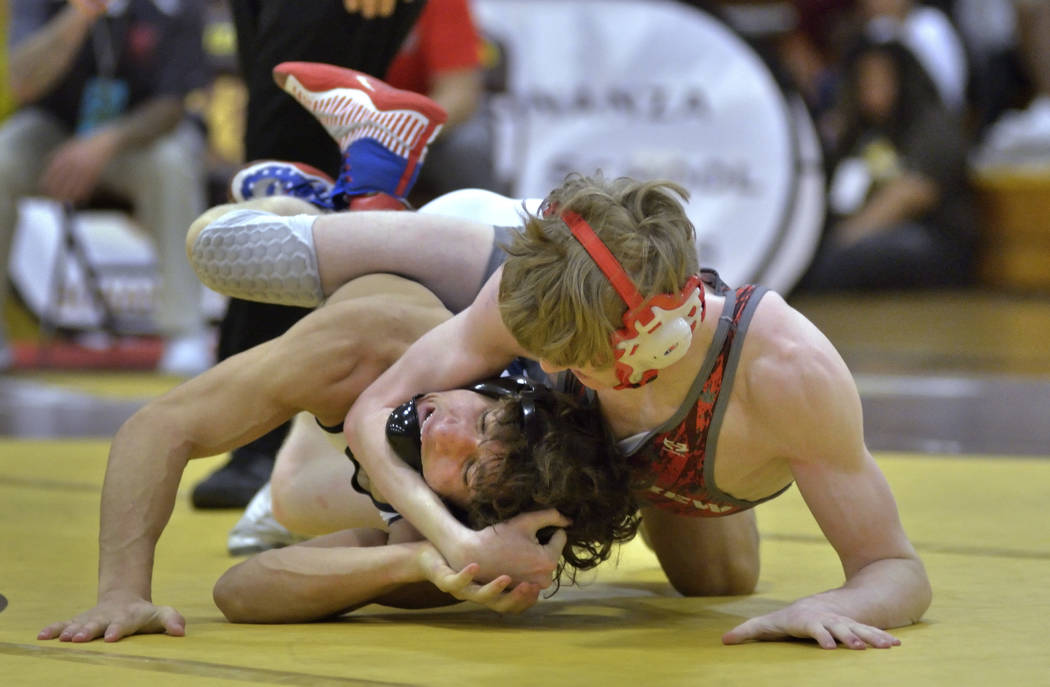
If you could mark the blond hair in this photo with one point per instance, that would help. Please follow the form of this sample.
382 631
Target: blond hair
553 297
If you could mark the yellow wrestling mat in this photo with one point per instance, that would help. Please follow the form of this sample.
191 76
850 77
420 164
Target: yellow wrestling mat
980 524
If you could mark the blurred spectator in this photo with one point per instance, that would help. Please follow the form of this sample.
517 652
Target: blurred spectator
900 210
347 33
6 98
1011 42
441 59
6 105
102 86
802 40
931 37
811 50
989 31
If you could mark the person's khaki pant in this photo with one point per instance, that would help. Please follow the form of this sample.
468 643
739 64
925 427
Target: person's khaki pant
164 182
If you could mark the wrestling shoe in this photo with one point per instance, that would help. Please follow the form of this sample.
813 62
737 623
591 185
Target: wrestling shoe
258 530
263 178
235 483
378 201
383 132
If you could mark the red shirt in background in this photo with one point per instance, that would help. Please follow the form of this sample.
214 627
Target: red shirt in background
443 39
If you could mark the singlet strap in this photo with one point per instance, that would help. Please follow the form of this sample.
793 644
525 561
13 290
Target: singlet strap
331 429
386 511
744 310
725 325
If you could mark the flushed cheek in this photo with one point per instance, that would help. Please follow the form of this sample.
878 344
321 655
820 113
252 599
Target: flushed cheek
445 481
436 475
446 438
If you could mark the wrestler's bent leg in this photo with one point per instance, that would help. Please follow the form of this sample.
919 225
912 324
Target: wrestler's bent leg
311 483
705 556
260 251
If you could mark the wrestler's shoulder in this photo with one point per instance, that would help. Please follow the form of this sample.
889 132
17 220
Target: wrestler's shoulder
786 356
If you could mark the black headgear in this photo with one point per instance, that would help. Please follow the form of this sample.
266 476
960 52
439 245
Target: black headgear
402 427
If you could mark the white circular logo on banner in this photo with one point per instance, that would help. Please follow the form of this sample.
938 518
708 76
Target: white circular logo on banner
656 90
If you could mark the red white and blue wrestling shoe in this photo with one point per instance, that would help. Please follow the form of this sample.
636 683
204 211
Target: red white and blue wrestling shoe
263 178
383 132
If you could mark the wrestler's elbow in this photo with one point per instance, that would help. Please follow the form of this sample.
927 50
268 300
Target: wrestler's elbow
241 598
231 600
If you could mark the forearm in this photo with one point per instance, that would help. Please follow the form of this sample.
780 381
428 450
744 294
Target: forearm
138 495
471 346
458 93
144 124
887 593
446 357
37 63
227 406
907 198
302 583
400 485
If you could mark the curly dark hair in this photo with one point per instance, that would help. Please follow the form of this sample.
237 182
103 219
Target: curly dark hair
570 463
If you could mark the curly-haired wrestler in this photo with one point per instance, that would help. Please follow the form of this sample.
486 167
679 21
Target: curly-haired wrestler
492 450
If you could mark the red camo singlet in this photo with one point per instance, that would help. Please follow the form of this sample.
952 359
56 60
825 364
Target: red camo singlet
674 464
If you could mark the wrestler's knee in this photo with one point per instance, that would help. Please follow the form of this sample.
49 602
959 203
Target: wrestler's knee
198 225
291 503
284 206
302 455
256 255
282 481
705 556
733 575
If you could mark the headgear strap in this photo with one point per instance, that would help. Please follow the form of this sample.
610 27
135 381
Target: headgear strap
604 258
657 331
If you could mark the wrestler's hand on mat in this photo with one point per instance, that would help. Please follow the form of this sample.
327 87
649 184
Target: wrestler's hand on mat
462 586
116 617
803 621
511 548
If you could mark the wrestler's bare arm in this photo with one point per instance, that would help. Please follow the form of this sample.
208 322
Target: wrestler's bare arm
470 346
336 573
319 365
807 396
330 575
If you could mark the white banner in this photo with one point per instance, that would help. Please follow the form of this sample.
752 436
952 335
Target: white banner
642 88
652 89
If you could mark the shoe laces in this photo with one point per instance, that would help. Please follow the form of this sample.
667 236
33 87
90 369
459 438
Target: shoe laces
338 196
305 189
313 192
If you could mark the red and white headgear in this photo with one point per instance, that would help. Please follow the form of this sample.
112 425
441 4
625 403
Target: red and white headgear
657 330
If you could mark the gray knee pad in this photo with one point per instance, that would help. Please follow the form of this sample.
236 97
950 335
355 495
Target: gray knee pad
260 256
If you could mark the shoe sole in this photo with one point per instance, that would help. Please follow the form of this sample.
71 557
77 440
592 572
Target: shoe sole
352 105
308 171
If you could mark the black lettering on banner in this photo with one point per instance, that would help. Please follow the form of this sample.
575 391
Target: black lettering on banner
648 103
712 176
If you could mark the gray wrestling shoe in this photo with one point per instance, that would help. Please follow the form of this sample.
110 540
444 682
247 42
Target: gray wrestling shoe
258 530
